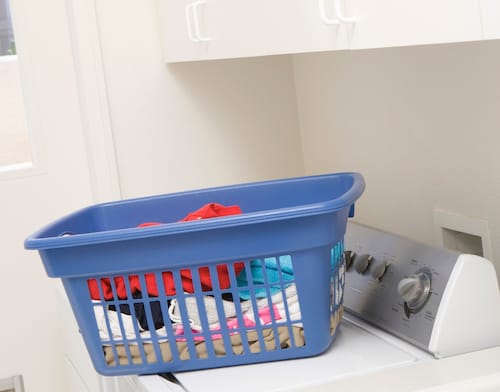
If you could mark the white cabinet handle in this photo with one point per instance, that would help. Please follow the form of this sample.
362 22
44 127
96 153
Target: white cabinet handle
339 12
196 5
188 23
192 15
324 17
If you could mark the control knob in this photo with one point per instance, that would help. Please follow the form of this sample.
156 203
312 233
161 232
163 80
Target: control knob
415 290
378 271
349 257
362 262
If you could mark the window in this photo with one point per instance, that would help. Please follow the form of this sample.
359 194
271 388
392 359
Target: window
7 43
15 146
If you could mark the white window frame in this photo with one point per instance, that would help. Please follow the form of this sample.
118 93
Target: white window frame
93 97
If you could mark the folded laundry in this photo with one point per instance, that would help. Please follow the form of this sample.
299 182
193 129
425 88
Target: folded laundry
209 309
270 341
271 271
274 271
116 326
233 326
284 306
141 313
282 337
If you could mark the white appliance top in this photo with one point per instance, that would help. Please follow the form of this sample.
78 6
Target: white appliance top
362 358
355 350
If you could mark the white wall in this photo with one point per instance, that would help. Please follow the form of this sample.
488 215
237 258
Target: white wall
15 146
30 330
187 126
175 128
422 124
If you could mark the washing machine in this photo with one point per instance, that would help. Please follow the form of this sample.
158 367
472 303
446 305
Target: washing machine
417 318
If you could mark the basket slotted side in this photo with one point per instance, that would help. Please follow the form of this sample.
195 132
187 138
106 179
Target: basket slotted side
313 278
307 240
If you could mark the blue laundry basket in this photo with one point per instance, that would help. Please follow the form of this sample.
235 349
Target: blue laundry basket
140 295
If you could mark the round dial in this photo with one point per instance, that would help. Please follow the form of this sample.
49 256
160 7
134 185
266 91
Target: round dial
415 289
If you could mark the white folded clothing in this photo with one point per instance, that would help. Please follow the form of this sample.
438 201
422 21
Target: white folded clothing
279 301
210 310
117 326
283 306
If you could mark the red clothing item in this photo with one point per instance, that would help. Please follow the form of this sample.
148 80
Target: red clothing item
211 210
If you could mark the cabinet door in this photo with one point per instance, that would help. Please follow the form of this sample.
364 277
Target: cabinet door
218 29
385 23
241 28
180 28
490 13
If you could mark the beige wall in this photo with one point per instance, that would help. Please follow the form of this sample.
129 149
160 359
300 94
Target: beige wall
421 123
186 126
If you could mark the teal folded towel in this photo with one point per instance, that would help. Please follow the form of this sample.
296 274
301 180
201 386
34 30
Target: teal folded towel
268 272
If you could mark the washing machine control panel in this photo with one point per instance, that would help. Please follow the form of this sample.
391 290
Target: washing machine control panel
422 294
395 283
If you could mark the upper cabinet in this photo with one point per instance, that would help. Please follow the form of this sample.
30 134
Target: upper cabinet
490 13
217 29
214 29
242 28
386 23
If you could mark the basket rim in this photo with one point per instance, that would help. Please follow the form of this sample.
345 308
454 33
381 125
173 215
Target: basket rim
37 241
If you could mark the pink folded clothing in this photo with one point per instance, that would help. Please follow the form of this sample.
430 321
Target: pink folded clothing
283 307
